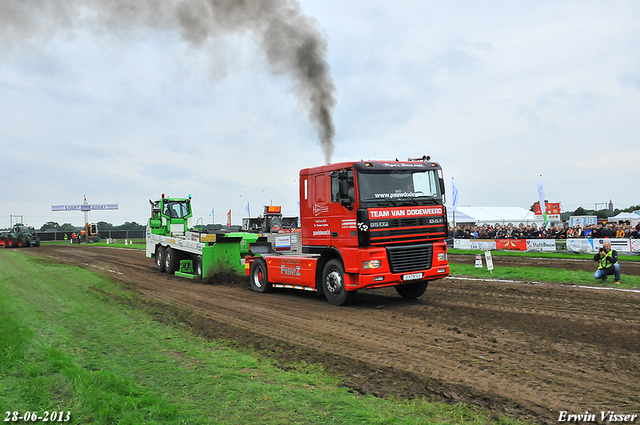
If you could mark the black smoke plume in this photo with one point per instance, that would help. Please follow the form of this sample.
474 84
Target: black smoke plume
290 40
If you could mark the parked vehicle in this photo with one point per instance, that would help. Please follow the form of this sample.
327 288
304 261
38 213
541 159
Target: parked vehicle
19 236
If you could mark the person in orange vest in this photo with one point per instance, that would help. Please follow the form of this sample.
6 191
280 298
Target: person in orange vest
607 259
73 237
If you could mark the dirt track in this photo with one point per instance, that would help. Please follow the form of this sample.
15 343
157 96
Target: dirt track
521 349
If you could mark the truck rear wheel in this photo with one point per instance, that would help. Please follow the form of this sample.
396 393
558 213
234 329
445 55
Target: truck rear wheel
198 267
413 290
333 283
170 260
160 259
259 277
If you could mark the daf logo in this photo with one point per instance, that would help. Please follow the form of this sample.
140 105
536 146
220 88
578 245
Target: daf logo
363 227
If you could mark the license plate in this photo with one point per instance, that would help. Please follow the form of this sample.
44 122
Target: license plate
413 276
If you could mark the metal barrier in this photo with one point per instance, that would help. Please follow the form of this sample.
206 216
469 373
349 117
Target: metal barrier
104 234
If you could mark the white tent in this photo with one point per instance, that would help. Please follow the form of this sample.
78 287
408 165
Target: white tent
491 215
623 216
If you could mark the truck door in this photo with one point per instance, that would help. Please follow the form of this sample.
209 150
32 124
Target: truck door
342 209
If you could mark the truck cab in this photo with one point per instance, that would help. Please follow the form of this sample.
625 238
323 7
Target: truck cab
170 216
366 224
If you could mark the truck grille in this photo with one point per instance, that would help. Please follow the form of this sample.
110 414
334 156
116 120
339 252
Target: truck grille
410 258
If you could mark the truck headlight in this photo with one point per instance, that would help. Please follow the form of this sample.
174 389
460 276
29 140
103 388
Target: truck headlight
442 256
372 264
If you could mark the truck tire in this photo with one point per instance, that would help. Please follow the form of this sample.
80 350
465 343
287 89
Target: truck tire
171 260
160 259
259 277
413 290
9 242
198 267
37 242
22 243
333 284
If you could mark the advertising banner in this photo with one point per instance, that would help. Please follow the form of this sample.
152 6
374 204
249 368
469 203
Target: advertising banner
620 245
475 244
553 211
582 220
547 245
590 246
580 245
512 244
84 207
482 245
593 245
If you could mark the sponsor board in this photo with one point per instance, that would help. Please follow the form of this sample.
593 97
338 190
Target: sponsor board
582 220
580 245
552 208
283 243
620 245
512 244
548 245
541 245
475 244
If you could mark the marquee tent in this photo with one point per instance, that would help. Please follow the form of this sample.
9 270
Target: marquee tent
491 215
623 216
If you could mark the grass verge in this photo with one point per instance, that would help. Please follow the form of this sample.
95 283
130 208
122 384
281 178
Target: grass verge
67 345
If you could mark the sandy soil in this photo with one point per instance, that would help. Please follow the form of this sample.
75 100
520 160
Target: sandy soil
525 350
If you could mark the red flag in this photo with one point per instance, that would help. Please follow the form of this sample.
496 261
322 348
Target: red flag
229 218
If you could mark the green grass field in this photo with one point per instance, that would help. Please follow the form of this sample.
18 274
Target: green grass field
73 341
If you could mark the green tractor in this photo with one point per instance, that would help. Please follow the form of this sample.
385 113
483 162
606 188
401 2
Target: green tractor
19 236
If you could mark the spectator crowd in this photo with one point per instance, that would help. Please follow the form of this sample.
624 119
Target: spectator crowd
521 231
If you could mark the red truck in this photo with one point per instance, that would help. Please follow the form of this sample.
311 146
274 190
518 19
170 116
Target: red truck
367 224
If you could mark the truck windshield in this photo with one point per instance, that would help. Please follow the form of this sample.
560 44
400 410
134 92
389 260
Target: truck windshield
176 209
400 187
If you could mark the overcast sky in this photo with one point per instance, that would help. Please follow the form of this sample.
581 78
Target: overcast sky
496 92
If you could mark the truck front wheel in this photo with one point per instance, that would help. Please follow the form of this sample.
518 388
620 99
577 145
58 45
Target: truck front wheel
413 290
258 275
160 259
333 283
